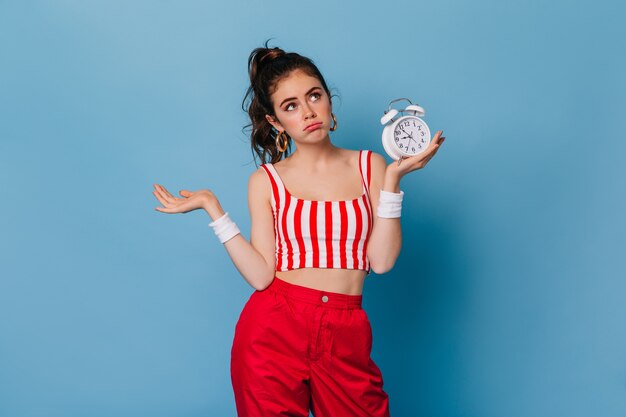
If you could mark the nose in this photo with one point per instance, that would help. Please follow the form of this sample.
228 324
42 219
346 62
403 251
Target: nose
308 112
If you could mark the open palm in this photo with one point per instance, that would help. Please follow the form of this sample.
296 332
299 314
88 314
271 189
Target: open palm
188 202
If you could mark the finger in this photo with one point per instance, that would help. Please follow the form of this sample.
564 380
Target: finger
435 149
170 195
170 207
159 197
434 152
163 209
425 161
181 206
415 160
432 145
165 195
431 148
437 138
418 161
168 203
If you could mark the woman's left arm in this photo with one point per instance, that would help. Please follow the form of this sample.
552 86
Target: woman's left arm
385 241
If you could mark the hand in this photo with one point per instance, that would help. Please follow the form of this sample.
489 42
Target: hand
190 200
418 161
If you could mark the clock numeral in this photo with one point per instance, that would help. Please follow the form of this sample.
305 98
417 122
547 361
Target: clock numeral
397 139
422 133
401 146
413 149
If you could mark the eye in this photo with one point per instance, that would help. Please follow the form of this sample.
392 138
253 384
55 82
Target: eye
315 96
290 107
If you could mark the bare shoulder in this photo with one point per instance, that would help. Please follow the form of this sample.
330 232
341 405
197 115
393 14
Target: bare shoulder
259 185
378 161
379 166
258 175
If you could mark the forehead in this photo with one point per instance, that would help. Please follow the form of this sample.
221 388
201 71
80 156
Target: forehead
295 84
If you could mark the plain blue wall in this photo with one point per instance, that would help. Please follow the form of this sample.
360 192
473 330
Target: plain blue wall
507 298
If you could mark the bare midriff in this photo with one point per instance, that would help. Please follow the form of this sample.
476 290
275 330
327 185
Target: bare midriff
343 281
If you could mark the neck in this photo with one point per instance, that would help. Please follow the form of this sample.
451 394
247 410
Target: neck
314 157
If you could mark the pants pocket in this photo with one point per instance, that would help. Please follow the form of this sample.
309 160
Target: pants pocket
367 331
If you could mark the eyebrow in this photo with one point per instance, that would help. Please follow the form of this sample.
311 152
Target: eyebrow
293 98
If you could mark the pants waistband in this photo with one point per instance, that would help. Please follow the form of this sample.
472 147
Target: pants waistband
313 296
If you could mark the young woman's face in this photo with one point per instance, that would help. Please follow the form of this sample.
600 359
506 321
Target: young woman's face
302 107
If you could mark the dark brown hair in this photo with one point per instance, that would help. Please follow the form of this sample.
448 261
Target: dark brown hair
266 67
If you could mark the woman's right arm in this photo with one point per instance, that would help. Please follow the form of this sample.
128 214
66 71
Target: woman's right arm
255 260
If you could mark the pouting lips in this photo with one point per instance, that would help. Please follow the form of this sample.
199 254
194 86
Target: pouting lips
313 126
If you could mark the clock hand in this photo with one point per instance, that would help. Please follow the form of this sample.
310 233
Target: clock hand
410 137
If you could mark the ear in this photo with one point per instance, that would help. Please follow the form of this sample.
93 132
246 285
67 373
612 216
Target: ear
274 122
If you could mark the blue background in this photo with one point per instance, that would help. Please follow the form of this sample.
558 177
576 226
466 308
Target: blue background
507 298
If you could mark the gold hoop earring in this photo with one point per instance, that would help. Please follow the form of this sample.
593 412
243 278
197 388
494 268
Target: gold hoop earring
284 137
332 129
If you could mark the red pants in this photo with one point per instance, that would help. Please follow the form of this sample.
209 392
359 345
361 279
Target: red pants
296 348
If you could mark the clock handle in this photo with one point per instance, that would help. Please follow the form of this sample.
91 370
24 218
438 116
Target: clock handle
396 100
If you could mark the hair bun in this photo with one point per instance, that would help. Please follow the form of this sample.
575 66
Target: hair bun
270 54
261 57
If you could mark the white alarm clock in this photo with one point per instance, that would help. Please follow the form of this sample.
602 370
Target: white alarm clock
407 135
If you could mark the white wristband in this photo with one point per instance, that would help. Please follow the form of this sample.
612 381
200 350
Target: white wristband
389 204
225 228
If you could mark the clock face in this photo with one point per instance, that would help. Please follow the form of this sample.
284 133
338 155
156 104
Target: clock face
411 135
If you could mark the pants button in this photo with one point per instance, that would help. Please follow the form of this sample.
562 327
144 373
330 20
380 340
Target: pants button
325 298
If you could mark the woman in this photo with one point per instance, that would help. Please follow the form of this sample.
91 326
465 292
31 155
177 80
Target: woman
303 341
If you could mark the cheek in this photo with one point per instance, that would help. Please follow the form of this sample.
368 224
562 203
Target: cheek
290 119
323 107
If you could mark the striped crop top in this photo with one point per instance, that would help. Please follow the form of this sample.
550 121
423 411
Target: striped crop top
321 234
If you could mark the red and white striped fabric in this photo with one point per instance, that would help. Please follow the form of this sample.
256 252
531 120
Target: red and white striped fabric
321 234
